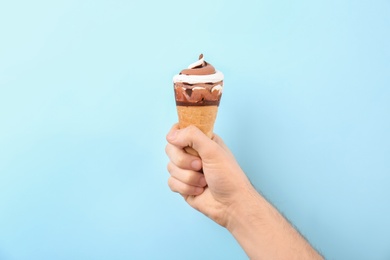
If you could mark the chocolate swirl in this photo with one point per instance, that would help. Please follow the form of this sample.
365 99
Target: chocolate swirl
201 67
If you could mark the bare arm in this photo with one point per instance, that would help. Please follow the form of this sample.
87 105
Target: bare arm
264 233
224 194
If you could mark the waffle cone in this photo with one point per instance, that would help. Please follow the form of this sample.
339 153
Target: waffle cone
202 117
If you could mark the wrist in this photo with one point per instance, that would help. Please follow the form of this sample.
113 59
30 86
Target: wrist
249 207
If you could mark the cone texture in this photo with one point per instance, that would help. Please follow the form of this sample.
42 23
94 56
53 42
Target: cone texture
202 117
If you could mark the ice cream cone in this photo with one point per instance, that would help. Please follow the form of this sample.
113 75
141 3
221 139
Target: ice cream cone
198 90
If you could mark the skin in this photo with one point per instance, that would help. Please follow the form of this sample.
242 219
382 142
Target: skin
215 185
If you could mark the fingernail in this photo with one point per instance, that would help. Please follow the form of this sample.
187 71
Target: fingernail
202 181
196 164
199 190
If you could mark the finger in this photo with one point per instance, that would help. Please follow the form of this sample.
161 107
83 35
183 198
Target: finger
184 189
173 130
182 159
189 177
193 137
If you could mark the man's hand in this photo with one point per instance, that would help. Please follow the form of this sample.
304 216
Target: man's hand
213 183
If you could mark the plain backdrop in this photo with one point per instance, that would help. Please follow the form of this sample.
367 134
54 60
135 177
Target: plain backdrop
86 99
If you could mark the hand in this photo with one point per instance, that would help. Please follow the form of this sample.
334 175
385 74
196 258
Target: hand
224 194
220 188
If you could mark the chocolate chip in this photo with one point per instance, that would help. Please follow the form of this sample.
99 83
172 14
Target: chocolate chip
189 92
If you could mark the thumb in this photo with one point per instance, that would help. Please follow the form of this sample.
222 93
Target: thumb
192 137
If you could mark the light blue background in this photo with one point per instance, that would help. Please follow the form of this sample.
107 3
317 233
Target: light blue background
86 99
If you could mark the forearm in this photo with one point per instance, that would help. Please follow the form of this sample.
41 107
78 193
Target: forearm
264 233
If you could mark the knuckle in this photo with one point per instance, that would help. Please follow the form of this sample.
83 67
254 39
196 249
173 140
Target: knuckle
171 184
169 167
169 150
192 130
180 160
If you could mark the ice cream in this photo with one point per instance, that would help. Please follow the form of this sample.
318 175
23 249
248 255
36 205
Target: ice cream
198 91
